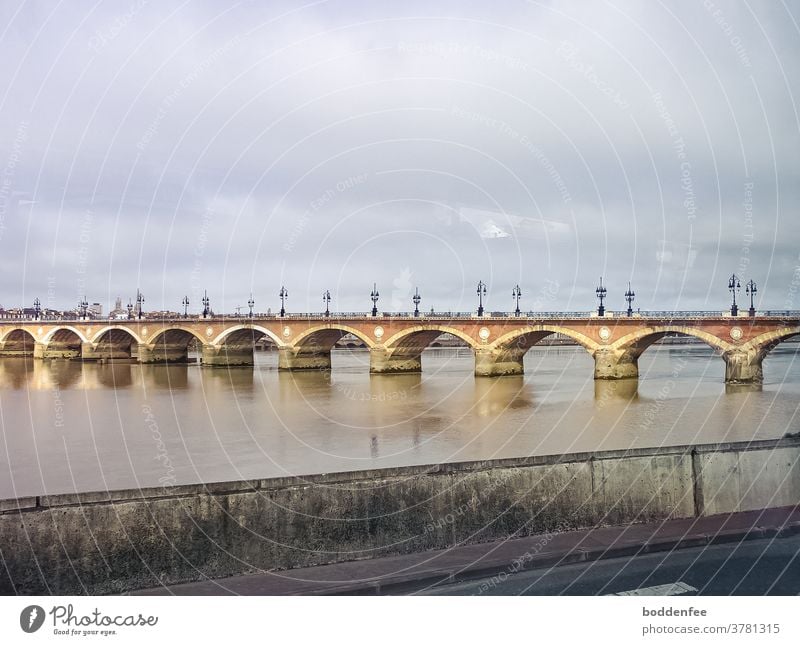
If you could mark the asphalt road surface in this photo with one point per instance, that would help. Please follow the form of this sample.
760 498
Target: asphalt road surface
758 567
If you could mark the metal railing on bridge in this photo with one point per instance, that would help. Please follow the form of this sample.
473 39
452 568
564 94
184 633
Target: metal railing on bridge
781 314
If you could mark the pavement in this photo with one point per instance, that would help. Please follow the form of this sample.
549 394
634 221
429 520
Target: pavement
412 572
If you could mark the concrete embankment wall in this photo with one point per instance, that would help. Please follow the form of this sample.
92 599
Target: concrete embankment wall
110 542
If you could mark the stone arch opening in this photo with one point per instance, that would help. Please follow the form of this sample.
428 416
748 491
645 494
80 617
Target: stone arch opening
506 355
63 343
620 360
403 352
112 344
237 347
169 346
748 361
18 342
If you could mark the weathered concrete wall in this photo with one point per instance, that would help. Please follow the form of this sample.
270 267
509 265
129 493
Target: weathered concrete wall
120 540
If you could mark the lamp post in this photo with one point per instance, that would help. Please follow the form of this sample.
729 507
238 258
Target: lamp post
481 294
516 293
83 305
374 295
283 295
37 308
416 299
629 296
206 304
185 303
733 286
751 291
139 302
600 292
251 303
326 298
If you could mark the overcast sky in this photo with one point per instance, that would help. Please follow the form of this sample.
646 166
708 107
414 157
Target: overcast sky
238 147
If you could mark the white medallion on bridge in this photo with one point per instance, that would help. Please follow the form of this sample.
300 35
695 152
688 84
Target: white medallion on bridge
40 331
484 334
144 331
604 333
287 332
378 332
736 333
209 331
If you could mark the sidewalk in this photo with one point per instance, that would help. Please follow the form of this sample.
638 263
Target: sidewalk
405 573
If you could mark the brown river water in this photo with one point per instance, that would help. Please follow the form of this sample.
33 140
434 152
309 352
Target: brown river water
67 426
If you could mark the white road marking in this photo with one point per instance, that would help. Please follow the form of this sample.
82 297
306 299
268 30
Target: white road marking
672 589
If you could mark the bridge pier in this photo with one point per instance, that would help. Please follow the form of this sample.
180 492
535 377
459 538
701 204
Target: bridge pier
160 353
216 356
292 359
102 352
613 364
55 349
5 350
384 361
499 362
743 366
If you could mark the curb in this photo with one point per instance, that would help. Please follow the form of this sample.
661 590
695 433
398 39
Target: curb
409 583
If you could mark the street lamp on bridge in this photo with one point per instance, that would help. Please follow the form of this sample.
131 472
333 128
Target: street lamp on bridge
251 303
516 293
481 294
326 298
283 295
733 286
416 299
374 295
37 308
139 302
600 292
185 303
629 296
130 309
83 305
206 304
751 291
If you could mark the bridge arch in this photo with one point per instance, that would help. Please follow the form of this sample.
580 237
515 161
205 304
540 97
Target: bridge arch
525 338
239 333
115 331
112 342
18 341
637 342
763 344
66 333
422 336
176 335
326 336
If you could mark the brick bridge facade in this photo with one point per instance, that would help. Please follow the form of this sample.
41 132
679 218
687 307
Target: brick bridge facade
396 342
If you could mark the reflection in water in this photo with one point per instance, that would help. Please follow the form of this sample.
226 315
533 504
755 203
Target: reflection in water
115 375
231 378
743 388
73 426
174 376
494 395
621 390
16 372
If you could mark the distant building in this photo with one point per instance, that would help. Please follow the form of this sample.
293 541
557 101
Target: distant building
118 312
95 310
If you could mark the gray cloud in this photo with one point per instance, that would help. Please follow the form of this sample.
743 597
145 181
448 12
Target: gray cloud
180 147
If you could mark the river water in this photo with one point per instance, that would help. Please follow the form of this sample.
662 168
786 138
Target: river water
68 426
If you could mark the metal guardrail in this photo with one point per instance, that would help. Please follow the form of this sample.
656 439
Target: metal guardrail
443 315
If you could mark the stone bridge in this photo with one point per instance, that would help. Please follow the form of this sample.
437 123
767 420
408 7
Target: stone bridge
396 342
